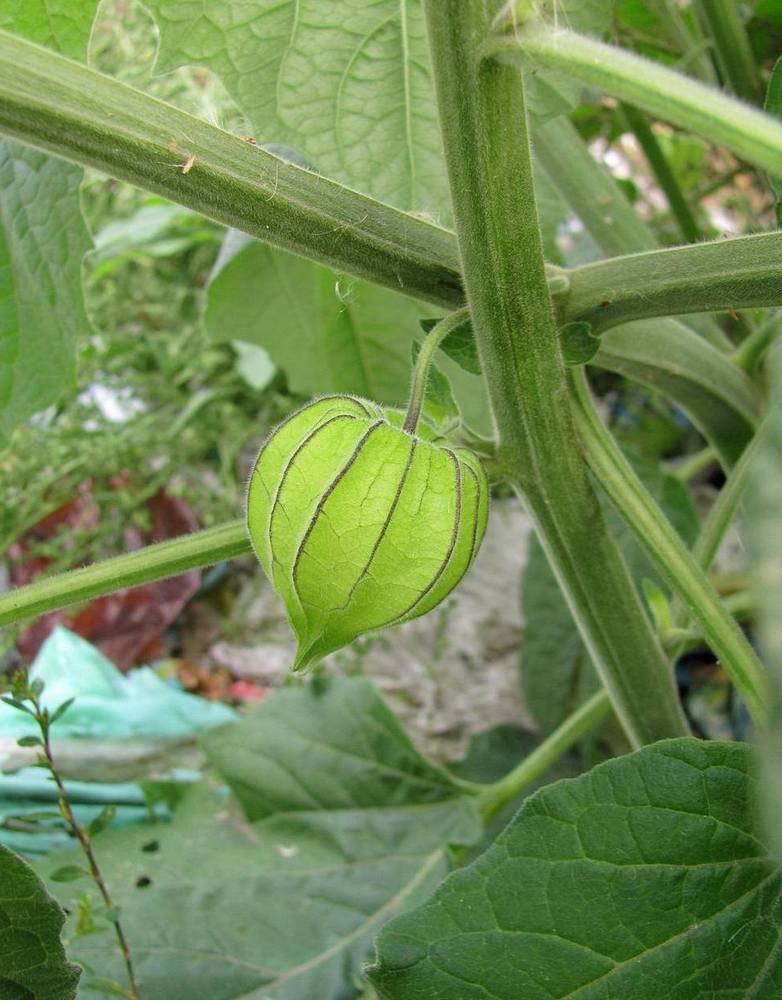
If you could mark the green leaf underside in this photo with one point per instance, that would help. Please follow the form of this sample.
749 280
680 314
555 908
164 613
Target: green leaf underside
348 85
42 239
358 524
327 333
644 878
346 825
32 960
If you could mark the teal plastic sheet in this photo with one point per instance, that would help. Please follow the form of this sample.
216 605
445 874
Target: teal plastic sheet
109 709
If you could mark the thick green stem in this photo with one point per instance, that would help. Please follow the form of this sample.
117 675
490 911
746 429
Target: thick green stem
661 169
722 275
155 562
77 113
680 571
750 134
722 23
74 112
585 718
421 371
490 174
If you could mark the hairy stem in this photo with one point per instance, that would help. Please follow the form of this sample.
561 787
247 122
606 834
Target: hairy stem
84 116
490 175
585 718
670 96
155 562
601 204
75 112
661 168
722 275
421 371
680 571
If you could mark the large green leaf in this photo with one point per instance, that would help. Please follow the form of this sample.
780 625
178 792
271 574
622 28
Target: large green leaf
344 825
347 84
32 960
42 242
42 239
644 878
557 674
326 332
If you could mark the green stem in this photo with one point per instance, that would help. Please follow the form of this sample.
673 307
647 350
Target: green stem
600 203
694 57
739 273
661 168
718 520
750 134
155 562
679 569
585 718
75 112
753 348
421 371
694 465
723 25
490 175
85 842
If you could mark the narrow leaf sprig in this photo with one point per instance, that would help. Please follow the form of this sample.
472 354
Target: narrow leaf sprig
25 696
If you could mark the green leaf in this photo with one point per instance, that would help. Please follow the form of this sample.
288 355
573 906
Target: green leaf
348 85
68 873
579 344
556 672
32 960
326 332
62 25
439 404
344 825
459 345
42 239
61 710
644 878
42 242
29 741
102 821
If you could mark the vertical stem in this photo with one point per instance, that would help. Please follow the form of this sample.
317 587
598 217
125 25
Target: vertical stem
677 567
661 168
722 23
486 144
